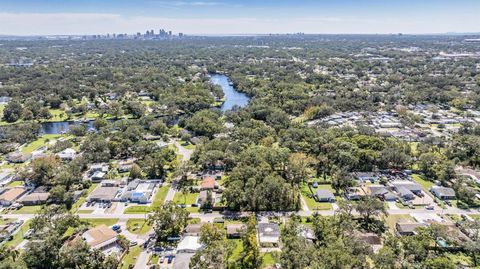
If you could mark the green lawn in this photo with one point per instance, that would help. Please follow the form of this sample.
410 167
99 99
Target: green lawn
81 200
160 196
268 259
420 180
131 257
98 222
40 142
15 184
311 202
393 219
188 198
86 211
237 250
30 209
138 226
18 237
58 115
157 201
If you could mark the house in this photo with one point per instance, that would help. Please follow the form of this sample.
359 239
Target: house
99 167
139 191
443 193
408 228
325 196
109 183
102 238
67 154
409 185
18 157
208 183
366 176
8 197
354 193
189 244
206 197
77 195
5 178
35 198
4 100
97 176
193 229
405 194
235 230
268 234
103 194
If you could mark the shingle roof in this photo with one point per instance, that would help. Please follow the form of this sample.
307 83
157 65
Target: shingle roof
99 236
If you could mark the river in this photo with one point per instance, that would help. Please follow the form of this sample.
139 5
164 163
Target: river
232 98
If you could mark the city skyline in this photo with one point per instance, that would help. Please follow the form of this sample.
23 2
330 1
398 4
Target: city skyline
220 17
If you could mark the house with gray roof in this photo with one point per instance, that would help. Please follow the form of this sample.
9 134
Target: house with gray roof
443 193
268 233
325 196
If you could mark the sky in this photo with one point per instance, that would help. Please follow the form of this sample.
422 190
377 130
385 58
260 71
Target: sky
223 17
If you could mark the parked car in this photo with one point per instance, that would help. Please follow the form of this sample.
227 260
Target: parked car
429 207
162 259
116 227
28 234
133 243
170 259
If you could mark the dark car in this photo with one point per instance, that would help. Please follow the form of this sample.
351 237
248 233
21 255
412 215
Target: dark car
169 259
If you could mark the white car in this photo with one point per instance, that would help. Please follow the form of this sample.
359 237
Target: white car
429 207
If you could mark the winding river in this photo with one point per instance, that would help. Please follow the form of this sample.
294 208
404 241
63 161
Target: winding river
232 98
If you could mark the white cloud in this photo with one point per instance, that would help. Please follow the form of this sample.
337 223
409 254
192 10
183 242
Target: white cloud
101 23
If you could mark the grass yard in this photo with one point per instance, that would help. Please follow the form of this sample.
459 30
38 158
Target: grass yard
131 257
58 115
393 219
15 184
160 196
138 226
237 251
311 202
18 237
268 259
81 200
86 211
188 198
426 185
137 209
30 209
40 142
98 222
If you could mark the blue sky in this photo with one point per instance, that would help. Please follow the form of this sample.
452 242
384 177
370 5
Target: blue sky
29 17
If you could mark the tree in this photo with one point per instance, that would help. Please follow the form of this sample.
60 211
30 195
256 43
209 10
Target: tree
135 172
250 257
43 170
296 251
77 254
299 167
368 207
13 111
169 220
342 180
217 248
205 123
